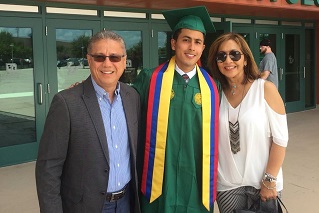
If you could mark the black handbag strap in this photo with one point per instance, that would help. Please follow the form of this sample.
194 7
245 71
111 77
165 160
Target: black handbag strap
281 203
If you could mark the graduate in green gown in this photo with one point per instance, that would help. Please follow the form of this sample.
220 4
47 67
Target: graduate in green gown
180 142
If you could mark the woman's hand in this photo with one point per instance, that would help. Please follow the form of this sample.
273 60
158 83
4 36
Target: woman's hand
268 191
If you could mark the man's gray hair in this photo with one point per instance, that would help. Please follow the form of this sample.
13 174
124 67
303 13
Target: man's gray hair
105 34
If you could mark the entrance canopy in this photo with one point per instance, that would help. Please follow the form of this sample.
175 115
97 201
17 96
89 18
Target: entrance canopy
301 10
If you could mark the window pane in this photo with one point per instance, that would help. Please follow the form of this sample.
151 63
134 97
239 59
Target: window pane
134 51
71 48
17 113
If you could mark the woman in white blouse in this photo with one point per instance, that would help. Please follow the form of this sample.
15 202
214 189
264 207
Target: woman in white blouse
253 132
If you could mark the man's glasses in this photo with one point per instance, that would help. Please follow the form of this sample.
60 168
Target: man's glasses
112 58
234 55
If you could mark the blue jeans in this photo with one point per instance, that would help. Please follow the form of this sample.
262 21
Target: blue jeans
120 206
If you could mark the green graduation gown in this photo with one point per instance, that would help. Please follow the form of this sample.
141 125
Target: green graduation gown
182 181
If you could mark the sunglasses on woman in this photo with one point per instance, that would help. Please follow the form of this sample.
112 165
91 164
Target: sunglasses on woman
102 58
234 56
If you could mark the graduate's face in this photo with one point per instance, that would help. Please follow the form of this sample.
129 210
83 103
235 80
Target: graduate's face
188 47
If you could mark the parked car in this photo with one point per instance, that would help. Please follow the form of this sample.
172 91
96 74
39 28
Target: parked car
62 63
73 62
28 60
84 62
18 61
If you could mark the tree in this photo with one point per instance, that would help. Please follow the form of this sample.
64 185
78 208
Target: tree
79 46
6 39
135 54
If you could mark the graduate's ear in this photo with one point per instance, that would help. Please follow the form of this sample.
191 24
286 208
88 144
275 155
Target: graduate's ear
173 44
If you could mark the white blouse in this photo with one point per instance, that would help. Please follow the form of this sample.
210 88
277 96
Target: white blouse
259 125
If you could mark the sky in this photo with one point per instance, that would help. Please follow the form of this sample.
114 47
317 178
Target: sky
17 32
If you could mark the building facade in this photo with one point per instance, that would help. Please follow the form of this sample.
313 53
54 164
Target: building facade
43 49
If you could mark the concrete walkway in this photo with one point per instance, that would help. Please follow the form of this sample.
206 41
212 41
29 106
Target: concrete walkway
301 172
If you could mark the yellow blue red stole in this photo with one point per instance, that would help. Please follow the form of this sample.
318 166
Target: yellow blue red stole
156 132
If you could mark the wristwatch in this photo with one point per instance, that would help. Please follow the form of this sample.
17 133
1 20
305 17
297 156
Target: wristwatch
269 178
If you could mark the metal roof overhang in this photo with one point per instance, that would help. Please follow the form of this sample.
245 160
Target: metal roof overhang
256 8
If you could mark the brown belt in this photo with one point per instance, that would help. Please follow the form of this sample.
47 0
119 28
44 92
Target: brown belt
114 196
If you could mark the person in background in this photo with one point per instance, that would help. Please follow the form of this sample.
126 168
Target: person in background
268 65
253 132
87 154
181 104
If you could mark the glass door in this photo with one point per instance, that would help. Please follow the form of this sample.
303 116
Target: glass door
275 38
293 72
21 79
137 40
249 36
253 36
161 43
286 45
67 48
310 64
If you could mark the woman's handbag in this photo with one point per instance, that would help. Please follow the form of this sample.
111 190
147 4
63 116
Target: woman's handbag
270 206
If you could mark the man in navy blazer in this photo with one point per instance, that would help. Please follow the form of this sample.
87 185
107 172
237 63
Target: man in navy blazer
87 153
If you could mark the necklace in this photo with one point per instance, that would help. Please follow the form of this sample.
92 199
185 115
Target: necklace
233 89
234 130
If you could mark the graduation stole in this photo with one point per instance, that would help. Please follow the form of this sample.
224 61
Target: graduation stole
156 132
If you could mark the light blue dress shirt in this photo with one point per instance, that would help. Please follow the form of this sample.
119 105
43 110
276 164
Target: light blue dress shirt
117 137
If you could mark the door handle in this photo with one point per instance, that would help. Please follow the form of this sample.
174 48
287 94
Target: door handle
304 72
40 94
281 72
48 88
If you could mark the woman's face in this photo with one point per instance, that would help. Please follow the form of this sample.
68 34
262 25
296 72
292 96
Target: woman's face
231 60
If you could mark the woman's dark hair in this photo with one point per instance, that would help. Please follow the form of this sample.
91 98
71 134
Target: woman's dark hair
251 71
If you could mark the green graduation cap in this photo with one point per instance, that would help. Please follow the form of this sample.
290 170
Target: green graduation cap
193 18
